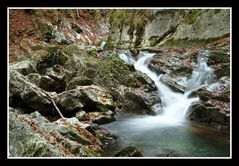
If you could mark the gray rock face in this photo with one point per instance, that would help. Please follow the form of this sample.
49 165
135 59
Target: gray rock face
208 24
165 20
28 92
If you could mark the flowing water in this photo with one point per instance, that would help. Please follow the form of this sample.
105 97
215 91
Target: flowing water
168 132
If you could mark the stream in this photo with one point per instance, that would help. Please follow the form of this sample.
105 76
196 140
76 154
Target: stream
157 139
168 133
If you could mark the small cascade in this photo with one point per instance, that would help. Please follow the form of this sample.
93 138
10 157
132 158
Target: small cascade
174 105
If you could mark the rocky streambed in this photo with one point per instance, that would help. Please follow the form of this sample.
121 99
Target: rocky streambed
90 89
70 96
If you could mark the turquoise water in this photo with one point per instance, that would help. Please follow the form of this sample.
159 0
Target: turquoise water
156 139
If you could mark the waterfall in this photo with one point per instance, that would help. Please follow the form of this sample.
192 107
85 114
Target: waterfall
174 105
202 75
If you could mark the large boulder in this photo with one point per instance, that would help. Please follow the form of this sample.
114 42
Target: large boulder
89 98
208 114
34 136
29 93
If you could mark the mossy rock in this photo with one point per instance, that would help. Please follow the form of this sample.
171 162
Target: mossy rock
44 26
79 81
130 151
112 72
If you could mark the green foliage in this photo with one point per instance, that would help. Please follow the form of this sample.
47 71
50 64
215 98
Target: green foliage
192 17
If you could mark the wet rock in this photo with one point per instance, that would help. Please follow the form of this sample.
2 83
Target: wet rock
23 67
79 81
172 84
90 98
28 92
130 151
134 102
105 136
202 93
207 114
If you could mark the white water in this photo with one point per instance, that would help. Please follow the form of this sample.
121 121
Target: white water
174 105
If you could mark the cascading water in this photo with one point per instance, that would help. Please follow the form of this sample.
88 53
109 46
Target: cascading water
157 135
174 105
202 75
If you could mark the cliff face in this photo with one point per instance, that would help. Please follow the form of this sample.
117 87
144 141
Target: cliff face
167 27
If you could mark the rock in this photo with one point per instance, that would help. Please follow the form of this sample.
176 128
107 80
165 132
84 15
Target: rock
44 25
23 67
76 27
105 136
130 151
209 115
34 78
217 57
34 136
113 72
96 117
202 93
49 82
81 116
135 103
79 81
89 98
223 70
172 84
102 118
28 92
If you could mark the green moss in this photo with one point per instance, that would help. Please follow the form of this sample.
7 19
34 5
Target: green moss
217 11
153 41
112 72
192 17
69 13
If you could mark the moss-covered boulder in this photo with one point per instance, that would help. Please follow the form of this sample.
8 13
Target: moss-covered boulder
130 151
113 72
34 136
